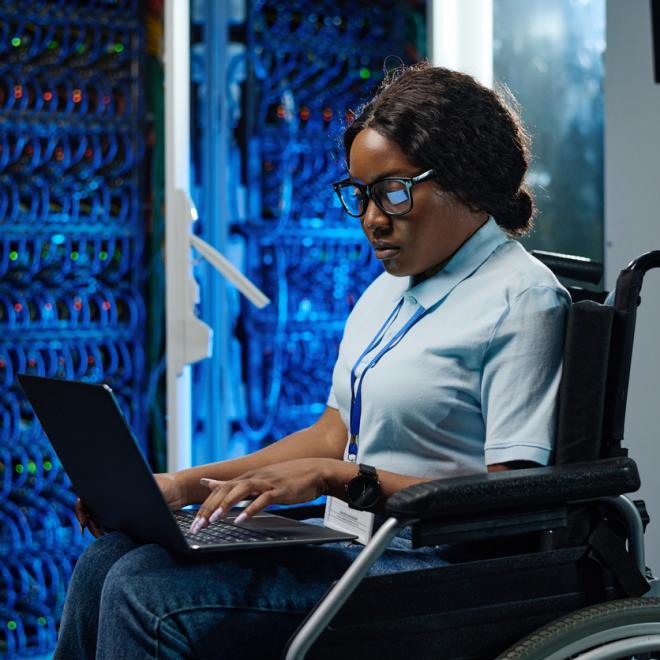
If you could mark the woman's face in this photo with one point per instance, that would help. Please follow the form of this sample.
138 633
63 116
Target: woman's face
421 241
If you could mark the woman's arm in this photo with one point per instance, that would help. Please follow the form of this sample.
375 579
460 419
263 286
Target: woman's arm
326 438
299 480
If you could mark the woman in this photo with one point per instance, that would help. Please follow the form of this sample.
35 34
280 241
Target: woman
449 364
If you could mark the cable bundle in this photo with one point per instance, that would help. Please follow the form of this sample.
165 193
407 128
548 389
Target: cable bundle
71 269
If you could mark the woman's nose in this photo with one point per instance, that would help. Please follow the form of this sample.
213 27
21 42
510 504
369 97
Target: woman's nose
374 218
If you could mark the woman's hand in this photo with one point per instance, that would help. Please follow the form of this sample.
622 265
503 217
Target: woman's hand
290 482
86 521
172 490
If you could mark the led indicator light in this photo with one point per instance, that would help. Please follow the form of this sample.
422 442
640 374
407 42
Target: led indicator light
119 48
103 255
41 620
19 469
48 96
74 256
13 255
32 467
11 625
16 42
48 466
365 73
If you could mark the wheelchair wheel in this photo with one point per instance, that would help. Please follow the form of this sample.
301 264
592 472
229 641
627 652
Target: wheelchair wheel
626 628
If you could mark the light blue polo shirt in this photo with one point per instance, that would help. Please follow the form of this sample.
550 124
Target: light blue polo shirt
475 381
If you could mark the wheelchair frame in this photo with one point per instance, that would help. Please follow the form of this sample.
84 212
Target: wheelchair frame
631 625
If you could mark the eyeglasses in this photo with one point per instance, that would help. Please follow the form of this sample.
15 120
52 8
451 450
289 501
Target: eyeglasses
392 195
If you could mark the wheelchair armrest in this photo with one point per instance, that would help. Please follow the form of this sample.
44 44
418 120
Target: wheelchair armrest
515 490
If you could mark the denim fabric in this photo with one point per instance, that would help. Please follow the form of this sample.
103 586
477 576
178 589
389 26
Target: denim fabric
132 601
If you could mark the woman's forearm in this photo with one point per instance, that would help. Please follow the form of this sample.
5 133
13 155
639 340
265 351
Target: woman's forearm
324 439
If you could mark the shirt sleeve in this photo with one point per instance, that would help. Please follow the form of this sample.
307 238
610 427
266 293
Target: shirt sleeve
332 400
520 378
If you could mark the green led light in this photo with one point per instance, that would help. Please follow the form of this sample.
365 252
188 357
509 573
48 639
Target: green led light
81 48
13 255
365 73
48 466
74 256
119 48
41 620
32 467
52 45
11 625
103 255
19 469
16 42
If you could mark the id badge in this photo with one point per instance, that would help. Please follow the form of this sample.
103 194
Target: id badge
340 517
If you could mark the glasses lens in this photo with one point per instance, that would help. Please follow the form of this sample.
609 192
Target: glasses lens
351 198
392 195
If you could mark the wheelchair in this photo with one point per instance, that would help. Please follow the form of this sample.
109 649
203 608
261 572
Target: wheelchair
555 563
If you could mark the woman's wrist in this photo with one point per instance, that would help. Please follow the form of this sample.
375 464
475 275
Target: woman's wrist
336 474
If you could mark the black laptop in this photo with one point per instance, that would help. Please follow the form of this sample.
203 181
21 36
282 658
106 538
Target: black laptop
110 475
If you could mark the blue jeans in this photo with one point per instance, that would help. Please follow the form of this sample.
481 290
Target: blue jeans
128 600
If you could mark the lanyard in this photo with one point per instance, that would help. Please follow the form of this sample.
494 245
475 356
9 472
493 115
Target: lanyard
356 395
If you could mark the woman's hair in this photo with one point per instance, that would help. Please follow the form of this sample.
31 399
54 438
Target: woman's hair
470 135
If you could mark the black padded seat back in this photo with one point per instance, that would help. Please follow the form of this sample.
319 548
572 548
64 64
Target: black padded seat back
584 382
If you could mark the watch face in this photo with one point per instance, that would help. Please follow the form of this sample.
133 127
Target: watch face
363 492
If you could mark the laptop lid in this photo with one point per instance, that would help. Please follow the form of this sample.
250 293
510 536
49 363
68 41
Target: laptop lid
109 473
95 445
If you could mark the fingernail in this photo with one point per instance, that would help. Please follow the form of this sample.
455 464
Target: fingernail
204 481
82 529
197 524
216 514
240 518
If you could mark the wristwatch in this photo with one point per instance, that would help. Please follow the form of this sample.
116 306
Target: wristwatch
363 492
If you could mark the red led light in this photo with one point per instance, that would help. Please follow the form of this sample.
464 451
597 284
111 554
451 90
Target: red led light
3 364
18 307
88 152
77 304
18 91
90 359
327 114
48 307
77 96
281 111
106 99
304 113
106 305
48 96
32 362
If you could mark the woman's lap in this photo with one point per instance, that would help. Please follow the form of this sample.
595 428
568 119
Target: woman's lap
156 604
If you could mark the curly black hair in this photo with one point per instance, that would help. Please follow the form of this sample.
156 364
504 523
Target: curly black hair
470 135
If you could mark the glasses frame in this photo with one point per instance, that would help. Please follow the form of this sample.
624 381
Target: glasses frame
365 190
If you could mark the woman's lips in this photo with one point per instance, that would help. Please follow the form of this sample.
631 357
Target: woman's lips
385 251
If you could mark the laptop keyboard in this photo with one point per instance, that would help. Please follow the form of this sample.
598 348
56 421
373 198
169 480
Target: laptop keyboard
222 531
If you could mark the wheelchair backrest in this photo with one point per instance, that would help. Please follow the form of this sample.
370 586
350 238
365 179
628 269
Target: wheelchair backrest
597 357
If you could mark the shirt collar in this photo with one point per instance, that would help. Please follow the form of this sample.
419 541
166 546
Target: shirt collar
462 264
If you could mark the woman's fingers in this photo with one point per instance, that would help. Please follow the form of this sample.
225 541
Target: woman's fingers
85 520
261 502
223 498
211 483
81 515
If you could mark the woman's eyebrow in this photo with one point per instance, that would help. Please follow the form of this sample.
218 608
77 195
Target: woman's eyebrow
388 174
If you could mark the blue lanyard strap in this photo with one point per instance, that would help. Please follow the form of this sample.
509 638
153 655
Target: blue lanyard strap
356 394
